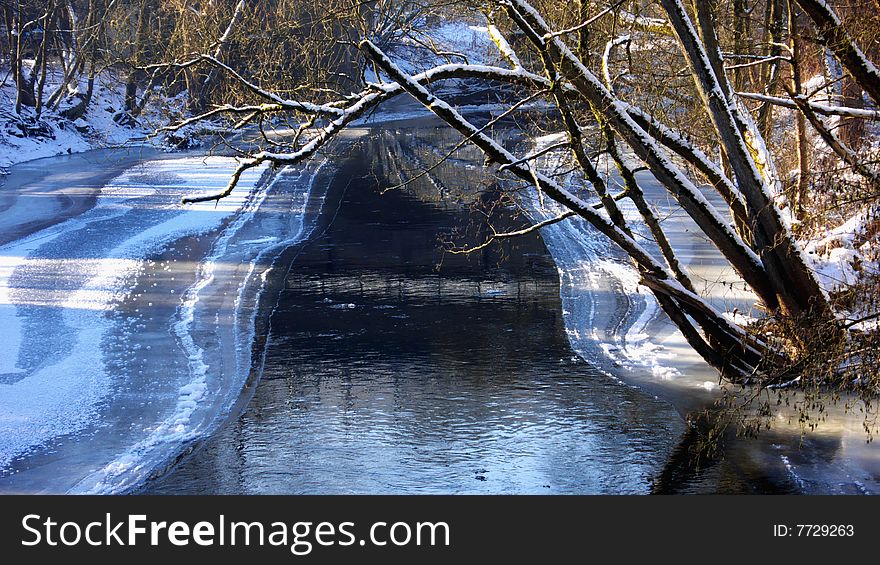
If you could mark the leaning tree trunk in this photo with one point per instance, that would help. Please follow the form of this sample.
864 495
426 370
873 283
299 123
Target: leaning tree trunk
835 37
797 290
740 256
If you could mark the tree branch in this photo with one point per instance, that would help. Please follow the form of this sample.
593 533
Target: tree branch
822 109
505 235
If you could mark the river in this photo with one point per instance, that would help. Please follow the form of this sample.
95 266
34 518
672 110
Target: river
315 337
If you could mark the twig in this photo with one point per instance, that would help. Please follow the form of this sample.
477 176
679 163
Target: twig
505 235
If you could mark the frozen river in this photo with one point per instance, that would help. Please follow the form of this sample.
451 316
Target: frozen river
135 330
127 320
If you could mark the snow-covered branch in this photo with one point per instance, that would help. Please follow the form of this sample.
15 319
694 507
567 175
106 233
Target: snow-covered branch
835 143
516 233
662 279
817 107
504 47
731 245
606 56
695 157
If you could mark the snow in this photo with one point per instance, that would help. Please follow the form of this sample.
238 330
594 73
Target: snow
462 43
834 255
652 24
634 346
504 47
838 251
181 425
95 129
139 214
471 40
585 264
635 336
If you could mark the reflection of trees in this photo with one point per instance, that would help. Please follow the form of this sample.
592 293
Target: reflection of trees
708 460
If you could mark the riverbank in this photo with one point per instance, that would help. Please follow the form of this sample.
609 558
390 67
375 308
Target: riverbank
616 324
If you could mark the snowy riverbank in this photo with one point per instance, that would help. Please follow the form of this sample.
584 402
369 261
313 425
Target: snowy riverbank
26 136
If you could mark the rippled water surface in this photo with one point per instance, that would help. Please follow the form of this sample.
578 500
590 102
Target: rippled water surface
395 368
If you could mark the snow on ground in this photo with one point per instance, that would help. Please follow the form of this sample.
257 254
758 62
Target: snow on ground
841 249
611 319
58 284
214 323
460 42
57 135
836 253
470 40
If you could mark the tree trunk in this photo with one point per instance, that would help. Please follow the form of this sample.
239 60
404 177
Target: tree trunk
707 11
24 92
740 38
76 50
134 74
776 19
796 288
707 218
43 59
852 132
202 96
131 86
803 148
845 49
583 46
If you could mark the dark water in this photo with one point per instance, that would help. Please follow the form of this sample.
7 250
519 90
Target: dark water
393 367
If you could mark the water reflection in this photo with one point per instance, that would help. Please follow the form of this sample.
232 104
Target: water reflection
393 368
